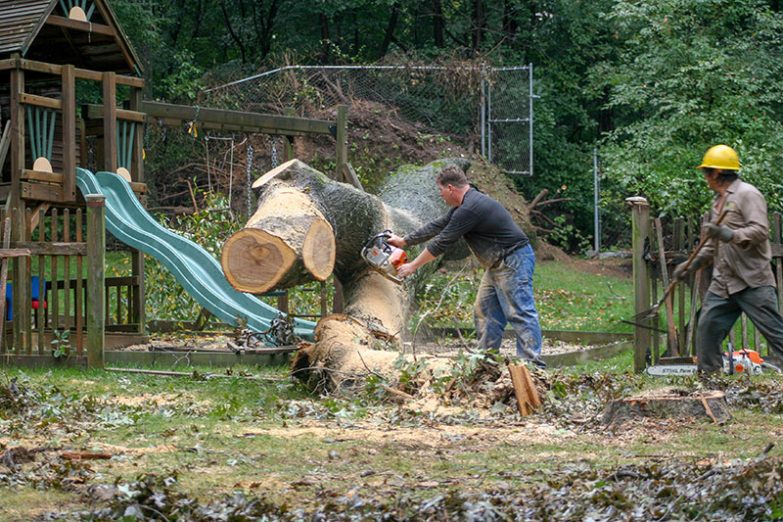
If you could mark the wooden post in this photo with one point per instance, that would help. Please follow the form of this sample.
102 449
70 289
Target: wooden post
682 290
96 251
21 266
282 302
323 299
137 155
288 141
671 338
338 302
342 148
640 223
4 279
110 121
69 133
137 257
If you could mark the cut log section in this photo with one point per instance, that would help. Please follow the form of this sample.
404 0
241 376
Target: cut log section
528 400
286 242
669 404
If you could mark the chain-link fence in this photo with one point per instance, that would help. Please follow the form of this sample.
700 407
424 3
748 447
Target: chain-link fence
507 119
490 105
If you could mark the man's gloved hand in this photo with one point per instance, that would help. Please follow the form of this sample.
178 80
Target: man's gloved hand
722 232
681 272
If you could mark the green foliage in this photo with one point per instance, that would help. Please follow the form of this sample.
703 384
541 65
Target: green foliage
61 343
565 235
209 227
184 82
692 74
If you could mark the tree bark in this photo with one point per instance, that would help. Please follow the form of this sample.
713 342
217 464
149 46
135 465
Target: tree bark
478 22
285 243
391 26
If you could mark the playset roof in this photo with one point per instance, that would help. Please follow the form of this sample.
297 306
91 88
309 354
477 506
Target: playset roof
42 30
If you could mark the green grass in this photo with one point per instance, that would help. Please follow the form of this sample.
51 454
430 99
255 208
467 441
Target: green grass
567 298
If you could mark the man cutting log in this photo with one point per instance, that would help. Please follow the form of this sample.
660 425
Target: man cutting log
505 295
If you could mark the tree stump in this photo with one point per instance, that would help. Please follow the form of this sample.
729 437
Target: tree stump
669 404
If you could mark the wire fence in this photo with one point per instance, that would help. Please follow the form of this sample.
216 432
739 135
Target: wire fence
469 103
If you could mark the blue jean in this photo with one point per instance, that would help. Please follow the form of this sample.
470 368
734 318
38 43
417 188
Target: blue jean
505 296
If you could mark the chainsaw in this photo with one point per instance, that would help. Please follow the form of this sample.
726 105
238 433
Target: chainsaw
383 257
740 361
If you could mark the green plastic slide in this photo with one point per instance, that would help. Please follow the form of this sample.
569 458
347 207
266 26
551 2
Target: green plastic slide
195 269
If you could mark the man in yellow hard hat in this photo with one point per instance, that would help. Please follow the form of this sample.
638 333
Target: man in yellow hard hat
739 250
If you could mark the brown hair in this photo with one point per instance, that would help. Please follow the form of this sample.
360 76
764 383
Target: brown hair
452 175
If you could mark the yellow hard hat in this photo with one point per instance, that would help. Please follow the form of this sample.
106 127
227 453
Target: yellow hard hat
720 157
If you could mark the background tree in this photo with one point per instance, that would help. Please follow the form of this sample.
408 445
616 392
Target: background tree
653 84
691 74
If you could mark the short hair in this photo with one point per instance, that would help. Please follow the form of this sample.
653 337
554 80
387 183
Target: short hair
452 175
727 176
724 175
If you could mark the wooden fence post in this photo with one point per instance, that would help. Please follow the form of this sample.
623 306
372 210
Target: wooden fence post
640 224
21 266
96 251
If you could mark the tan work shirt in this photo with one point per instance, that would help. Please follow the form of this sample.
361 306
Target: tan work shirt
744 262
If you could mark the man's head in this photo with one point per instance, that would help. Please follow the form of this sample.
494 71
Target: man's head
720 166
452 184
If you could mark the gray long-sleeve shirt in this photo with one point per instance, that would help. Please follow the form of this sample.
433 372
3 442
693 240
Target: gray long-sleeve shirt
488 229
744 262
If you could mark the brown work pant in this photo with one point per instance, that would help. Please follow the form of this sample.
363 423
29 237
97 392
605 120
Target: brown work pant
718 315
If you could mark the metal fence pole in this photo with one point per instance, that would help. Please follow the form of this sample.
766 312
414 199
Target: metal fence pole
483 111
489 126
596 199
530 118
249 182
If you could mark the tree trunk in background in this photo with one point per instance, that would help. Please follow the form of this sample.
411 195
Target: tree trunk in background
324 23
376 309
478 22
390 28
437 23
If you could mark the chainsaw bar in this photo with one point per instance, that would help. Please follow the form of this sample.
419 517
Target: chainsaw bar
671 370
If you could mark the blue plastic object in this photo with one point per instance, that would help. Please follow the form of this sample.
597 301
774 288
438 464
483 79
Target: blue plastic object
9 297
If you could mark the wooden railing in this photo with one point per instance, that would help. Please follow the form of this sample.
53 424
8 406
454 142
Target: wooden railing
64 291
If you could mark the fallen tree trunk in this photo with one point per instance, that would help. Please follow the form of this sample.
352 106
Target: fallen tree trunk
272 252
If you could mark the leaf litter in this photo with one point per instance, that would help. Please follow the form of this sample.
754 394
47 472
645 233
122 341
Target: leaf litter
660 488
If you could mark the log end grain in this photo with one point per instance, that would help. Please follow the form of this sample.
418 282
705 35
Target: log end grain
319 250
254 261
